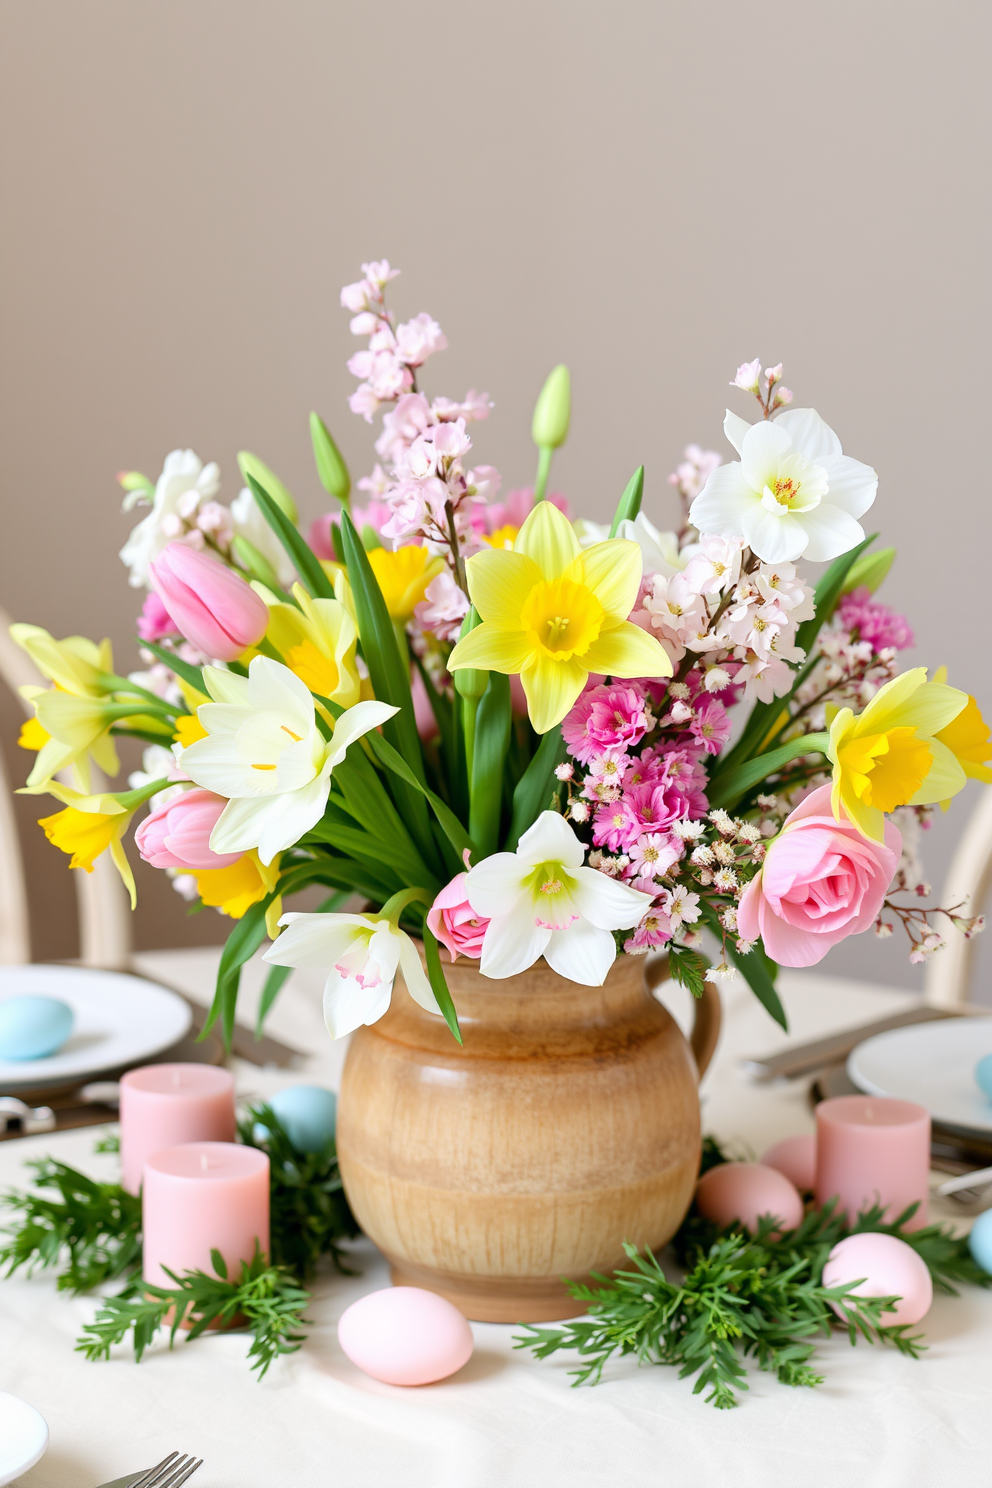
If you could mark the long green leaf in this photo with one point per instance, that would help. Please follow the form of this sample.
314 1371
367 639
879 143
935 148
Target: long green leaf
435 975
753 968
190 674
828 591
630 502
728 787
449 823
492 738
337 873
305 561
396 867
365 797
242 943
534 788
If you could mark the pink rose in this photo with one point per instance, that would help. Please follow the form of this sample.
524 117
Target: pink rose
455 922
177 835
821 881
212 606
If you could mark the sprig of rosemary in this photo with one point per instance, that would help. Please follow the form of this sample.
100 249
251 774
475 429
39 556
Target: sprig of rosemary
264 1299
98 1224
308 1211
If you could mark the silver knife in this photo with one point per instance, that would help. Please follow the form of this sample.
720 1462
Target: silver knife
803 1059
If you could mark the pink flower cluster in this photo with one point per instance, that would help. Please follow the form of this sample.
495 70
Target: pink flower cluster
874 623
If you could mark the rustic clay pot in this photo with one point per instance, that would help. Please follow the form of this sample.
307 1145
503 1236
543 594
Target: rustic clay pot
567 1123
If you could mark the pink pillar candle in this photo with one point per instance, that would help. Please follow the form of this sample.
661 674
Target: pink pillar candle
201 1197
873 1150
165 1105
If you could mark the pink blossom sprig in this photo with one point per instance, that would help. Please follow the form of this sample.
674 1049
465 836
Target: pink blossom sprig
772 396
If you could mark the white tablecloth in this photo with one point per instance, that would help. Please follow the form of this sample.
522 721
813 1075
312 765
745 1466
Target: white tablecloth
506 1420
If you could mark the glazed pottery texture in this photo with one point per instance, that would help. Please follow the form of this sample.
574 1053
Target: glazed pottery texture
567 1123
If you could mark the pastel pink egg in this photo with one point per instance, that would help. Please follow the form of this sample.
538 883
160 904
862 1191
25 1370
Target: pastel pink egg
405 1336
796 1158
891 1268
747 1191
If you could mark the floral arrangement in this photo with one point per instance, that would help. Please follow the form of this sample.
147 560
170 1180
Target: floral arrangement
512 733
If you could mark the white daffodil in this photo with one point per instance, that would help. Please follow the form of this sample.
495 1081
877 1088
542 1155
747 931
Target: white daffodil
540 900
361 956
659 550
793 493
265 753
184 484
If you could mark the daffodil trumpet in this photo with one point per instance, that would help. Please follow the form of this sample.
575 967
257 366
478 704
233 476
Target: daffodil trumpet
89 825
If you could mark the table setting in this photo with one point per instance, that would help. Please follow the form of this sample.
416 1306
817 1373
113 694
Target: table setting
514 1133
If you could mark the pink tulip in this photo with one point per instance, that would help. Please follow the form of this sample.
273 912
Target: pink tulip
821 881
155 622
177 835
212 606
455 922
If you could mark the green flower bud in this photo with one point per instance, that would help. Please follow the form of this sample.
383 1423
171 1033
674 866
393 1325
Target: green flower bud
251 465
331 469
868 571
133 480
470 683
255 564
552 411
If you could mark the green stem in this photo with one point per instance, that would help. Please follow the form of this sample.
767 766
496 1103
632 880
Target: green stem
121 684
394 907
544 457
470 709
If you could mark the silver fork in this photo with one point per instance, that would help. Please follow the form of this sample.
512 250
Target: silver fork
169 1473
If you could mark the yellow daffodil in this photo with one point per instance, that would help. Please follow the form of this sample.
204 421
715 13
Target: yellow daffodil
892 754
75 664
554 612
72 712
403 576
967 737
90 825
233 890
317 641
32 736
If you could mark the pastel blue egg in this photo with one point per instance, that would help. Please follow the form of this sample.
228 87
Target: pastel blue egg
983 1074
33 1027
308 1114
980 1240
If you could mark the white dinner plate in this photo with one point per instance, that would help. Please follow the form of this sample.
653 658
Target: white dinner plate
23 1437
932 1064
120 1020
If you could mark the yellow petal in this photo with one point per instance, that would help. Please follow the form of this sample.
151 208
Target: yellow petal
499 582
548 538
403 576
944 779
875 718
232 890
931 708
83 834
627 651
120 862
32 735
967 737
612 571
551 687
189 729
491 650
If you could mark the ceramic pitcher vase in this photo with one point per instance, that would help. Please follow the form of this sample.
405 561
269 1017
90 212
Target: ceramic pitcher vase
567 1123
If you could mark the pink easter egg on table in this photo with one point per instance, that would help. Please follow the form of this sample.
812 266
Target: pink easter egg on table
891 1268
796 1158
747 1191
405 1336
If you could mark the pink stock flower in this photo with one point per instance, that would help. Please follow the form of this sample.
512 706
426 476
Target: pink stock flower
475 406
155 622
875 622
177 834
820 882
443 607
616 825
605 719
710 726
418 339
455 923
212 606
716 566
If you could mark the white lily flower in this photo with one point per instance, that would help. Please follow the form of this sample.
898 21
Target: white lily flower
265 753
793 492
362 956
185 483
659 550
541 901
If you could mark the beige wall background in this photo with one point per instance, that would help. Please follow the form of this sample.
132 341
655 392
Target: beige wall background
651 192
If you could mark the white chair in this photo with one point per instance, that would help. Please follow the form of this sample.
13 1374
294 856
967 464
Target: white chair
104 910
969 879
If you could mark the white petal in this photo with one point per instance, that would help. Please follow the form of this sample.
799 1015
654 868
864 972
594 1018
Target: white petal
765 447
511 944
354 722
226 687
216 765
774 539
315 941
296 812
223 718
722 502
415 977
384 948
347 1004
273 688
493 886
582 953
550 840
295 766
606 902
852 485
830 532
241 823
814 439
735 428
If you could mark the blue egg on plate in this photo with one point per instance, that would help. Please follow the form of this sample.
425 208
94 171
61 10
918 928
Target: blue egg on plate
34 1027
980 1240
308 1114
983 1075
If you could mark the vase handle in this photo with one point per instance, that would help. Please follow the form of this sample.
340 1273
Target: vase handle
707 1014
